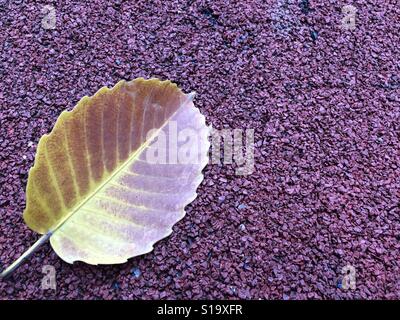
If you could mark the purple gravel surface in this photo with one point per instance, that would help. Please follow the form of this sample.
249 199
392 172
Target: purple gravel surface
324 104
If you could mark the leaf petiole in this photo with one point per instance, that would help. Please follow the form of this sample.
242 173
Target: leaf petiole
44 238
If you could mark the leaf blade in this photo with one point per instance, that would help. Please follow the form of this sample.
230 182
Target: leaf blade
155 103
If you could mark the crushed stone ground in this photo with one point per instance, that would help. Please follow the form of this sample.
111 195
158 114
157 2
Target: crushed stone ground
324 104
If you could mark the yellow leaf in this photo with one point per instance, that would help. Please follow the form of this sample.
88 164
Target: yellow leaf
92 187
